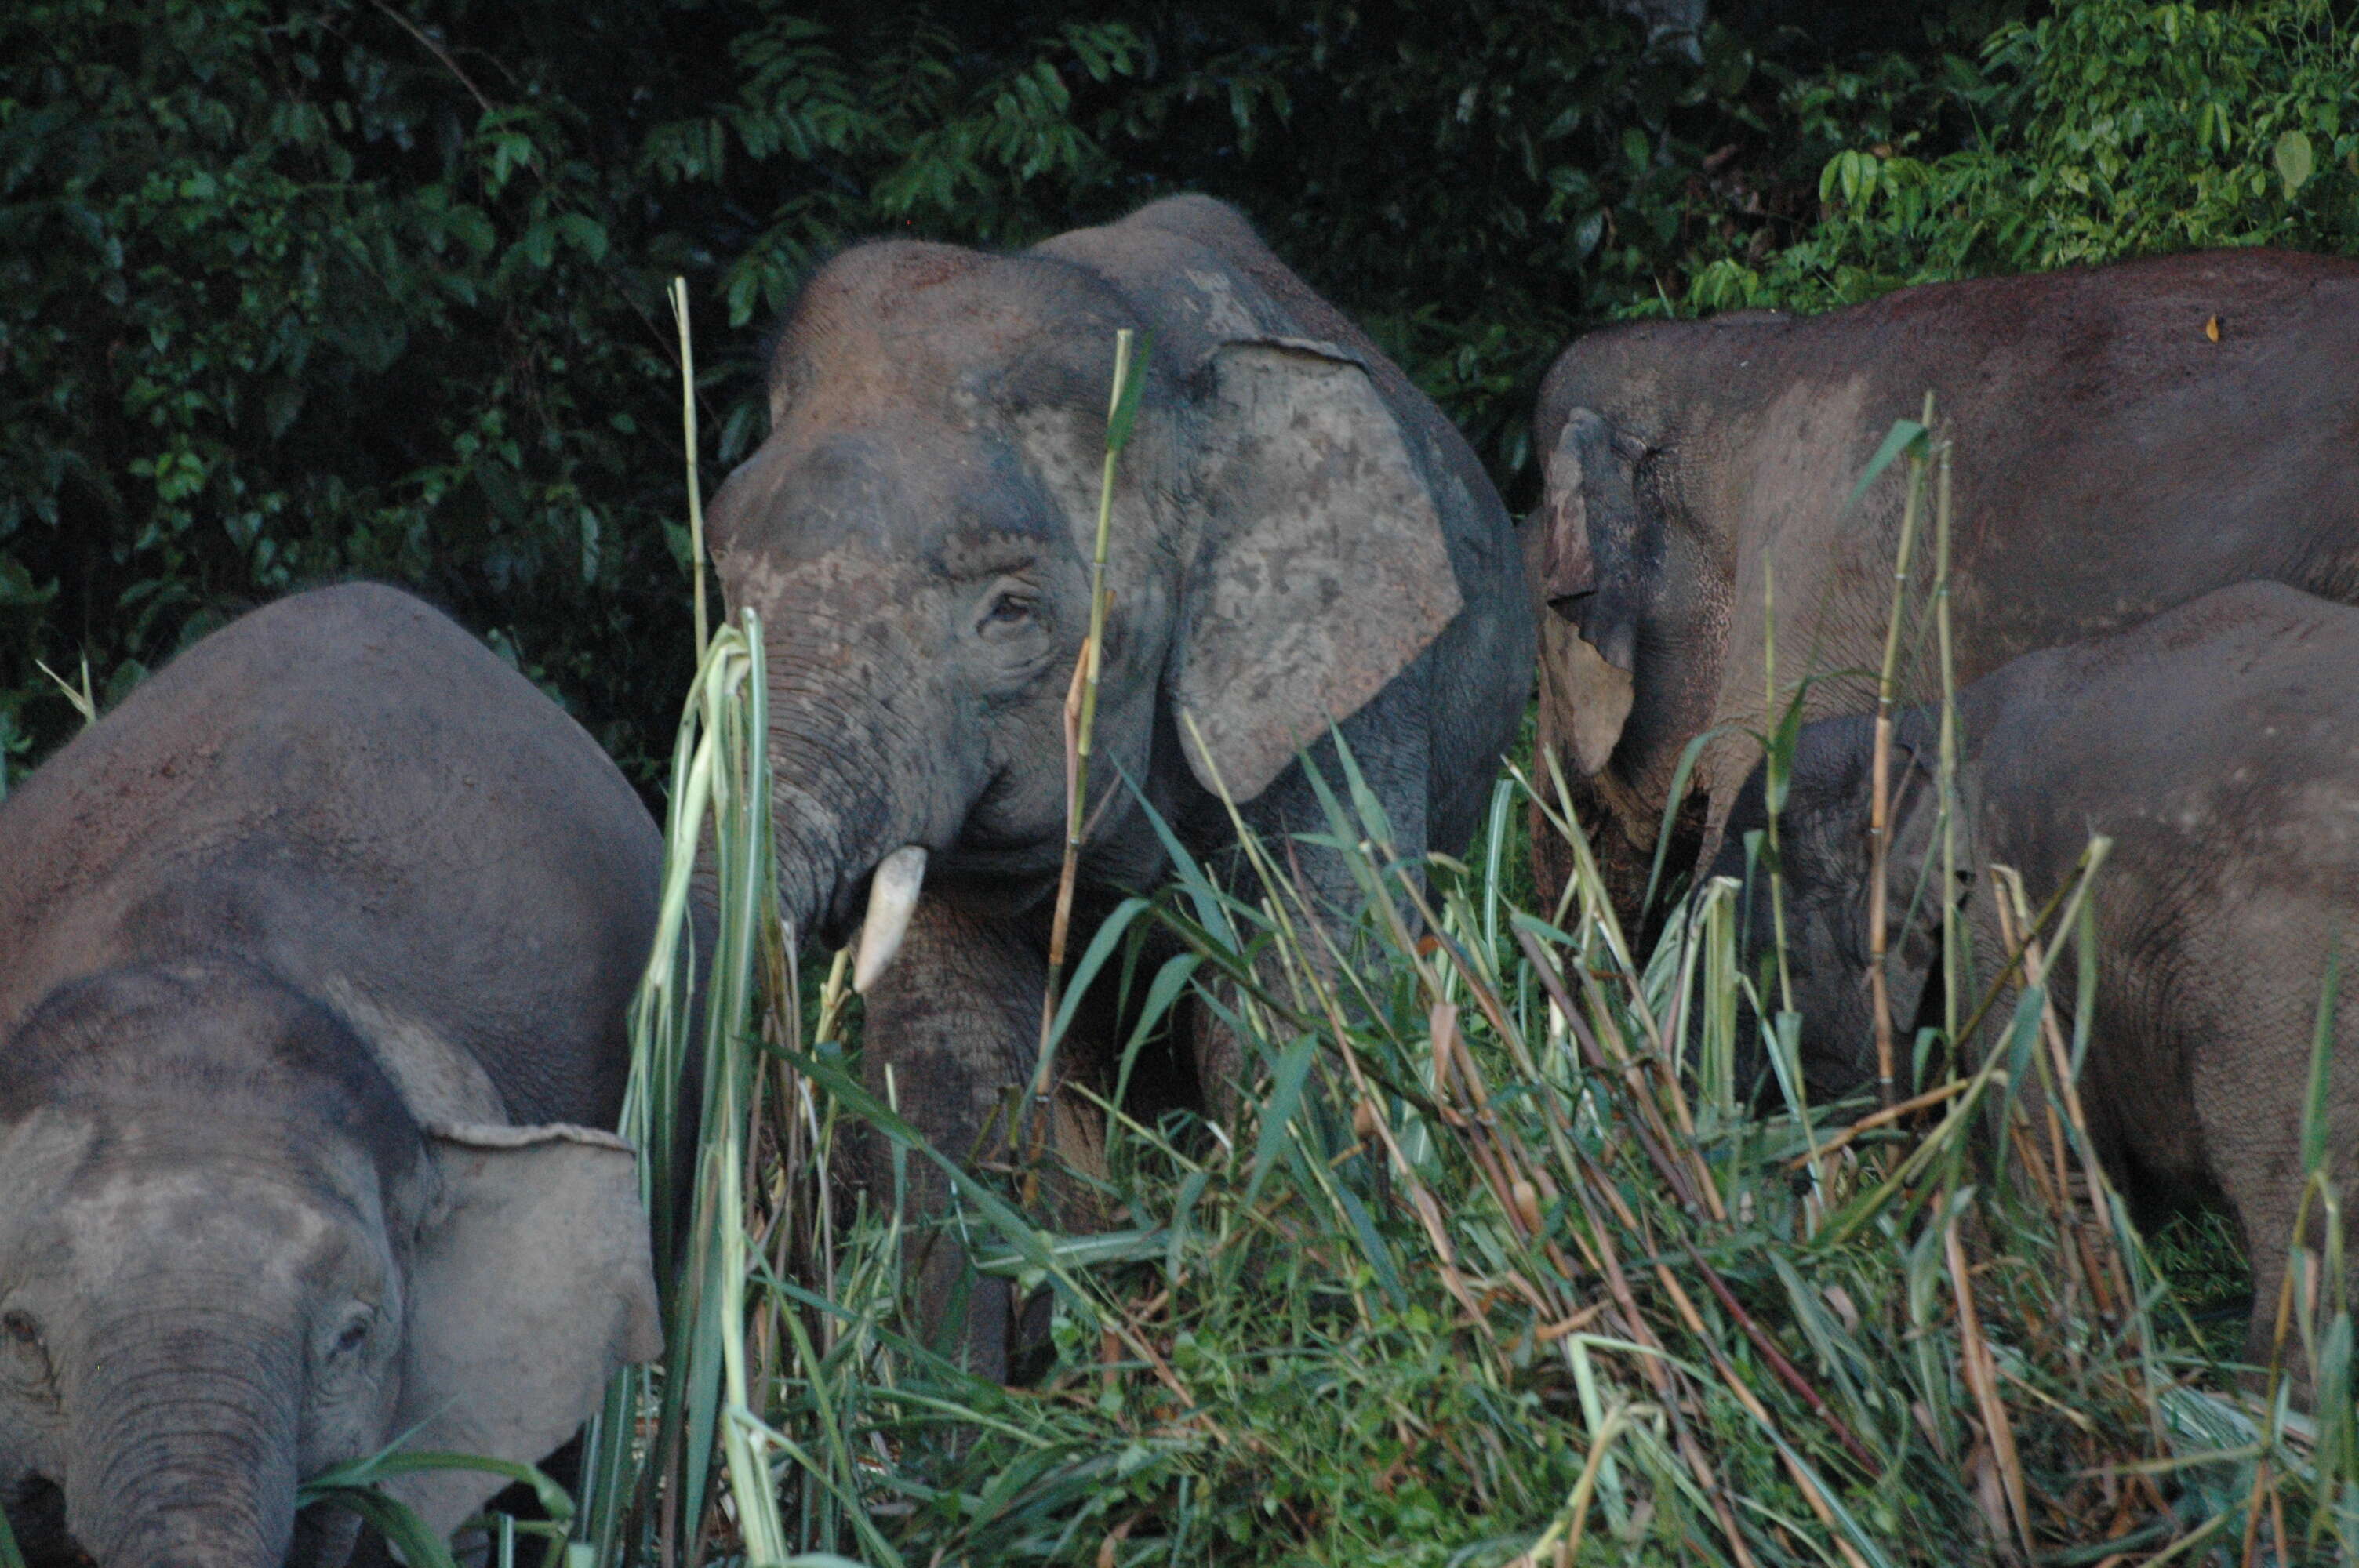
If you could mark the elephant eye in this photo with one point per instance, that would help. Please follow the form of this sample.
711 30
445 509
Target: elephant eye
355 1333
24 1360
1008 609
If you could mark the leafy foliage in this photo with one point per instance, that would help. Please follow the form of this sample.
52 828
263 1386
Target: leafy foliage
345 286
301 291
2111 128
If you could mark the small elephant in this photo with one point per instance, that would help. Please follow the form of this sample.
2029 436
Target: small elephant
317 956
2218 746
1300 540
2126 438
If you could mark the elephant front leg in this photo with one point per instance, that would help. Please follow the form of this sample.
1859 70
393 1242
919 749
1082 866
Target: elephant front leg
955 1024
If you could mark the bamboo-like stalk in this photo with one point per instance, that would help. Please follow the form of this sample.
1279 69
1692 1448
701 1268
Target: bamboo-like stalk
1777 766
1081 708
1879 797
1953 932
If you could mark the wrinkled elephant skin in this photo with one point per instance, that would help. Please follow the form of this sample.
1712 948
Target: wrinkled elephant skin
2111 460
317 956
2214 745
1298 540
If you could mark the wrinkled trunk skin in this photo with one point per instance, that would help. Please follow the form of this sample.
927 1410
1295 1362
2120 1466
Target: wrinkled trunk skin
864 759
185 1454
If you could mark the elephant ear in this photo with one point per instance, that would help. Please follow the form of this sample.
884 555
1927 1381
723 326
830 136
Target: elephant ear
1587 561
1322 571
531 1285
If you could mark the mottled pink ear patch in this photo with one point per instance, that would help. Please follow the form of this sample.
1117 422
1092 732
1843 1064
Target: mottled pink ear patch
1565 567
1566 564
1323 571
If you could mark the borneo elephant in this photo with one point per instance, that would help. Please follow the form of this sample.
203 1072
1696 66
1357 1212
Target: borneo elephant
1299 541
317 952
2217 745
2125 437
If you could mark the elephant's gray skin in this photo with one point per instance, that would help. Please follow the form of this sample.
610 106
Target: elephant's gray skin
2112 460
314 958
2218 746
1299 539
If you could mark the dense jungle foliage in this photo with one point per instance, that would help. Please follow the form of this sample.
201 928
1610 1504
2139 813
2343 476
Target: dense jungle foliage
299 290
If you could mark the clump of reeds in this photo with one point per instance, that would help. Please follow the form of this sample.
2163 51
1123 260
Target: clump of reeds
1499 1265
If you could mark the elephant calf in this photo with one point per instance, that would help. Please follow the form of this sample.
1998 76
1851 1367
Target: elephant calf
2218 746
314 958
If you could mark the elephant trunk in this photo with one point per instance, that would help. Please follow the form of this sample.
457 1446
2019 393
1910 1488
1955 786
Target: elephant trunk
186 1451
857 775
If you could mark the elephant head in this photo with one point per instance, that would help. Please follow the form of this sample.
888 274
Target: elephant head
231 1258
1825 858
916 530
1633 558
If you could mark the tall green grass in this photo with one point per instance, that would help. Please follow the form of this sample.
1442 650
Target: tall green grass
1499 1265
1496 1268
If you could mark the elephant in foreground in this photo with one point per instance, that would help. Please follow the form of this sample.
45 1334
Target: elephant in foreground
2218 746
1299 541
317 954
2126 438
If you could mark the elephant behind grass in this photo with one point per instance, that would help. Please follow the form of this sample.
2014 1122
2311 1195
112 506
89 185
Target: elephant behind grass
2126 438
1300 545
318 951
2217 745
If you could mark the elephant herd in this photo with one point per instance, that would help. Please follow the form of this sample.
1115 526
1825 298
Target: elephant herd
315 953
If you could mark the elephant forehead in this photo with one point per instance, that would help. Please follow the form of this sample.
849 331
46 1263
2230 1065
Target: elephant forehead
901 489
250 1220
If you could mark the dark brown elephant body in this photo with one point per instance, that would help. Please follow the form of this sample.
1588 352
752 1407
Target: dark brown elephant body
2217 746
314 957
1299 541
2112 460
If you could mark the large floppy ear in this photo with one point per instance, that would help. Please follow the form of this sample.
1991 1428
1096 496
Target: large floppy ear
531 1285
1322 571
1587 557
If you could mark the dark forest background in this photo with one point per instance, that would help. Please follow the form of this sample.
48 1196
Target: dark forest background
313 289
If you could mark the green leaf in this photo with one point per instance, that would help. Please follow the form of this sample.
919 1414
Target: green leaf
2294 161
2314 1119
1133 387
1906 435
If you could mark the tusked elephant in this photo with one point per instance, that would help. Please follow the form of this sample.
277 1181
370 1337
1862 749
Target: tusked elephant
314 959
1298 540
2218 746
2126 437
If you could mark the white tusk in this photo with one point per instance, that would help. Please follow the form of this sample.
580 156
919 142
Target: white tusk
892 896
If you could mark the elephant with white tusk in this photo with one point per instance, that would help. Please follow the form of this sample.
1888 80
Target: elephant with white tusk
314 961
1299 541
